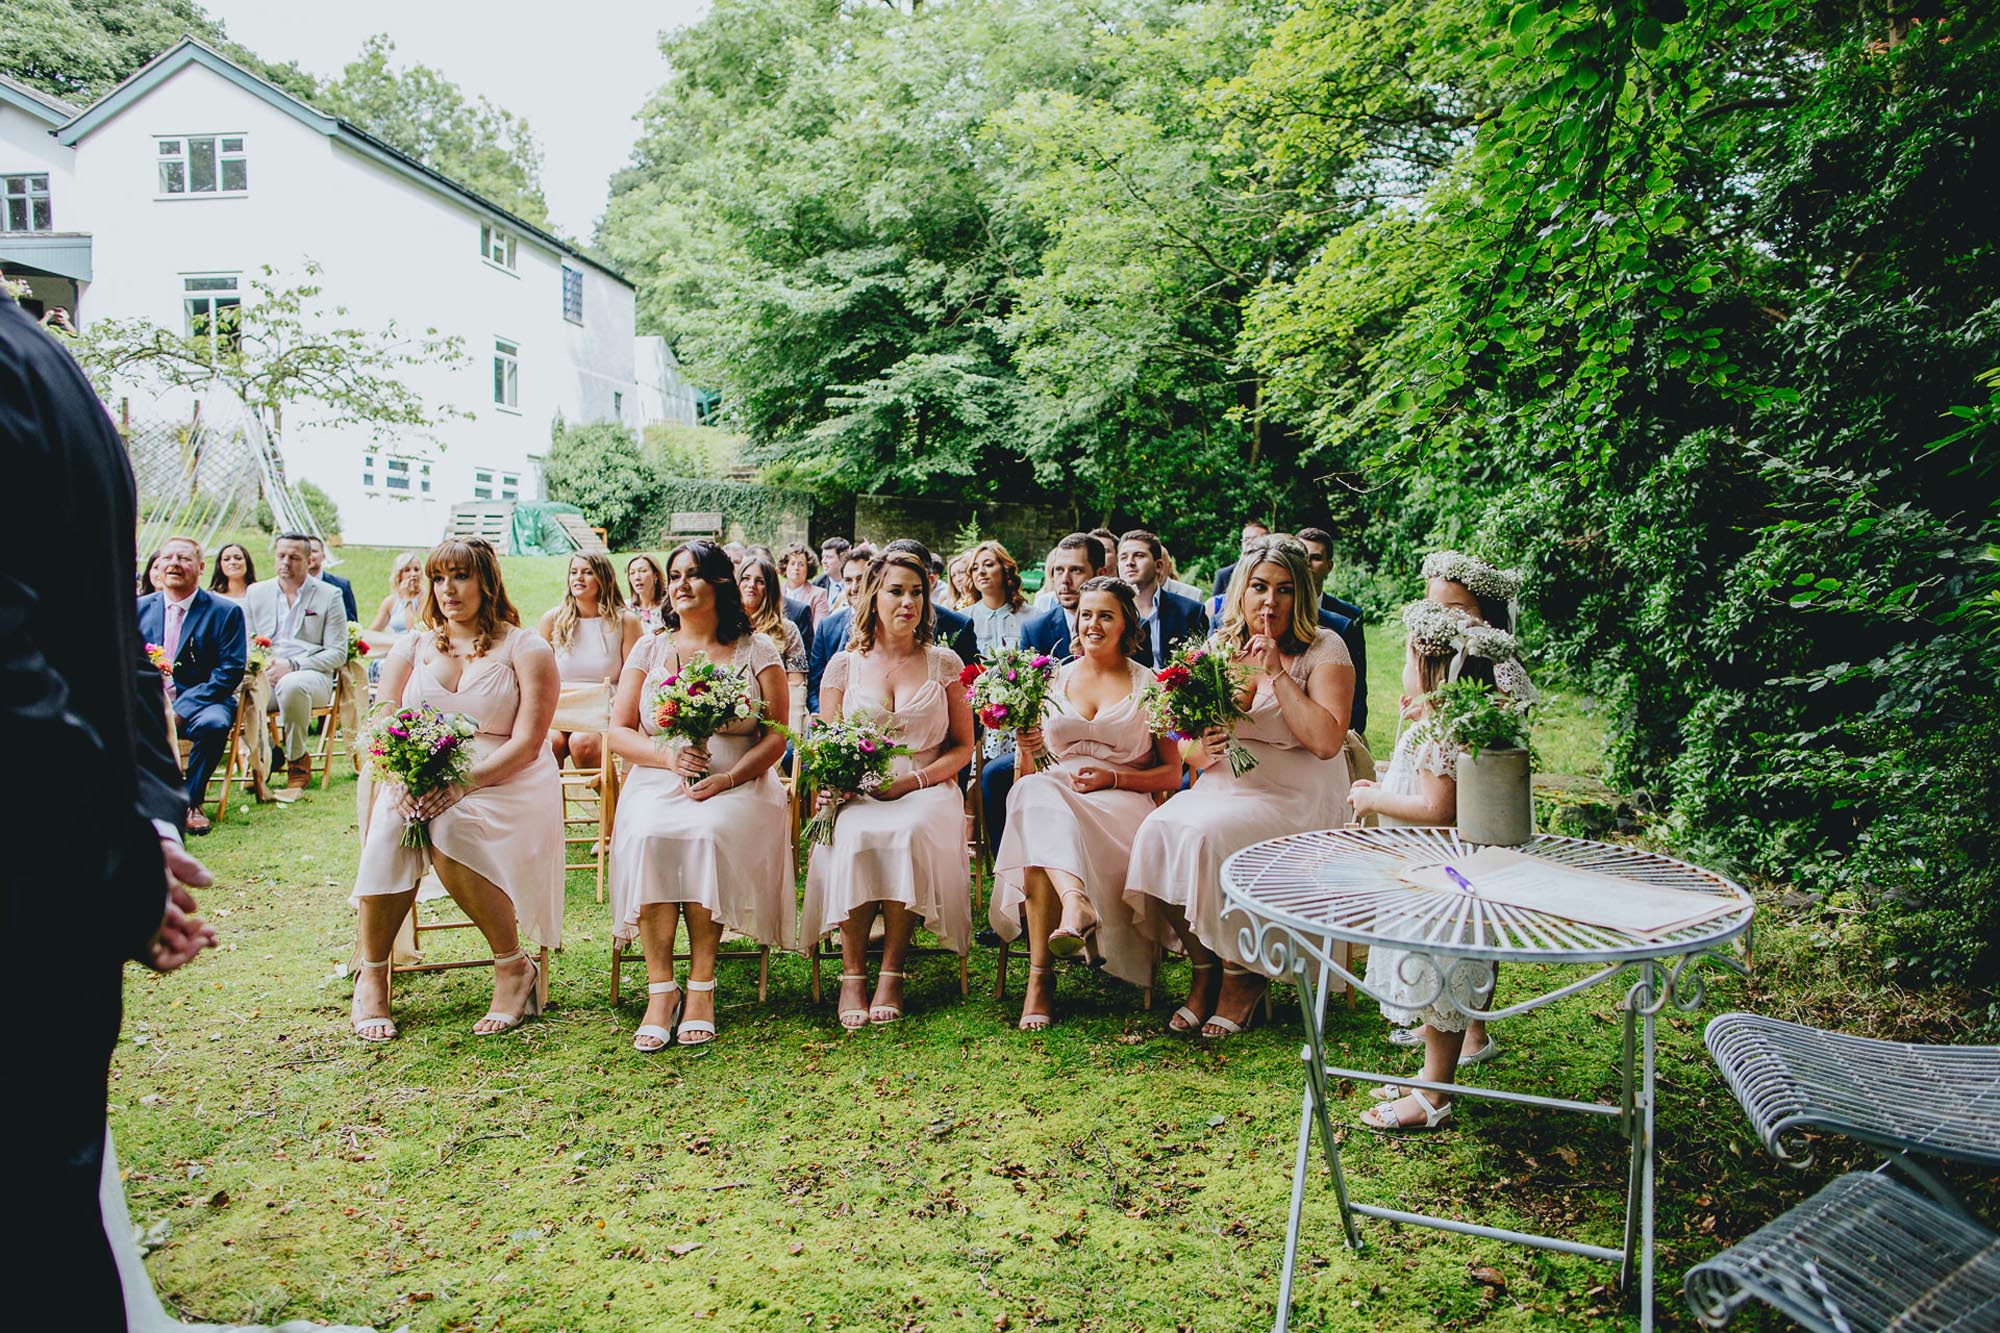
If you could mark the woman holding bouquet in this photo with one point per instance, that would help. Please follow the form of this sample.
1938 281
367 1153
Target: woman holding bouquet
592 634
1070 828
897 851
496 841
700 835
1296 704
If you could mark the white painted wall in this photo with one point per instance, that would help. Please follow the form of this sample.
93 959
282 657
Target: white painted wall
390 250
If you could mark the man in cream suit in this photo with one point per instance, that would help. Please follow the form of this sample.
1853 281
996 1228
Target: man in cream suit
307 625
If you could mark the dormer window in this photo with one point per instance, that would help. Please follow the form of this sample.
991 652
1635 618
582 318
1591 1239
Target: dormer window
496 246
203 164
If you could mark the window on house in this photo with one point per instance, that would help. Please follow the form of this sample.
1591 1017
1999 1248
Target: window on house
496 246
506 373
424 478
482 483
26 203
368 471
213 305
510 485
204 164
617 404
399 474
572 294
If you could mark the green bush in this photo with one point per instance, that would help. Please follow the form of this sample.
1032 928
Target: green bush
602 470
325 513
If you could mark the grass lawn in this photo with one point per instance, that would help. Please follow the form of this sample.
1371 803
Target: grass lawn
948 1172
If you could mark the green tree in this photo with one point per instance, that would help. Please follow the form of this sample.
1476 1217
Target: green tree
79 50
603 470
481 146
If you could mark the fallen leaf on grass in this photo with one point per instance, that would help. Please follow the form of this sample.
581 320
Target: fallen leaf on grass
1486 1277
684 1249
795 1248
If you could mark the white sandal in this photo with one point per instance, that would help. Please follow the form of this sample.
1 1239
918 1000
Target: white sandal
663 1035
696 1024
1384 1116
379 1028
895 1011
859 1015
1230 1027
1038 1022
1186 1020
531 1008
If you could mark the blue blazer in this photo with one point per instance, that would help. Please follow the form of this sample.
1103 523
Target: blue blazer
1048 632
208 664
830 636
800 614
346 595
1181 619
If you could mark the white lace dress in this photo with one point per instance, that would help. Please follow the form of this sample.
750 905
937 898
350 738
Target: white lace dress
1411 984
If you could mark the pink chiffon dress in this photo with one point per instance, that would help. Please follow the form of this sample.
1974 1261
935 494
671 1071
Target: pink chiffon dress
1085 834
1178 854
910 850
511 832
729 853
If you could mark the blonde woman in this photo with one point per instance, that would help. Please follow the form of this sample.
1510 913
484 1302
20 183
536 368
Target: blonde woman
592 634
1298 699
398 611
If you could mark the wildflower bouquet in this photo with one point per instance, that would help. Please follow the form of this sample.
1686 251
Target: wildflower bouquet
842 759
1009 692
422 750
356 645
700 699
258 657
157 654
1194 691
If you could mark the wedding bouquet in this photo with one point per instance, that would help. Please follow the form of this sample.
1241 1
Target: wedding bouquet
843 759
1194 691
700 699
258 657
422 750
156 653
356 645
1009 692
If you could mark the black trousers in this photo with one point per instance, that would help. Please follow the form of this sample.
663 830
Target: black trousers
64 1276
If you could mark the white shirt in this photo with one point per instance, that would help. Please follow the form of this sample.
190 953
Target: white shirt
994 626
286 643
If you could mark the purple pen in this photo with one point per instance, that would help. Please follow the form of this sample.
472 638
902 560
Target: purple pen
1461 881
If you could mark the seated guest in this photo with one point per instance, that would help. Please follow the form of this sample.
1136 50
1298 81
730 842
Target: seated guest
316 567
1251 532
755 579
648 586
1166 619
998 606
592 634
397 612
235 571
950 628
1107 541
897 852
203 637
307 626
1171 579
798 568
496 842
701 831
1296 727
832 559
1070 830
958 582
1342 617
830 634
149 575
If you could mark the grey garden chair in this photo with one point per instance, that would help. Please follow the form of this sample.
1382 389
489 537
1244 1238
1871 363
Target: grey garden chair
1866 1254
1790 1078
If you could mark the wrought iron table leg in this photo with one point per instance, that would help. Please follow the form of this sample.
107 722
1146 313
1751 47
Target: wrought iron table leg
1641 1007
1312 1107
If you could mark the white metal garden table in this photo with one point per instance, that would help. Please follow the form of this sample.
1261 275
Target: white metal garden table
1305 893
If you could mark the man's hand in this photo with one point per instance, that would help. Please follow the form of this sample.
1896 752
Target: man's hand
182 934
278 670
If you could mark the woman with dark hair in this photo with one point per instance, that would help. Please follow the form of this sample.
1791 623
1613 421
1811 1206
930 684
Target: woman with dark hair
1061 863
149 575
497 841
592 634
700 835
757 577
898 852
235 571
1298 698
647 583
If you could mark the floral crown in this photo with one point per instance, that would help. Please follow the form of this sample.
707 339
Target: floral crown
1443 631
1482 579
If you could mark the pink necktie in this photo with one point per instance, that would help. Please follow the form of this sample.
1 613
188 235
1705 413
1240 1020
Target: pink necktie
173 643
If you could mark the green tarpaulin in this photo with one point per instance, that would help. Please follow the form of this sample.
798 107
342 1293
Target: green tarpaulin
536 531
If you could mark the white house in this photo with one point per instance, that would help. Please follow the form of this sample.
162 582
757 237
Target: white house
167 195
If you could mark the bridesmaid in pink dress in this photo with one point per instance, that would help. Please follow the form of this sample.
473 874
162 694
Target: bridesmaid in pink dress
496 843
1070 828
1298 706
700 836
899 852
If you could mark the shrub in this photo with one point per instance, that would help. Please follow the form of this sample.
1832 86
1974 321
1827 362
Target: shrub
602 470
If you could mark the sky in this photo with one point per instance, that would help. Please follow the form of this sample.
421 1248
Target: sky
578 82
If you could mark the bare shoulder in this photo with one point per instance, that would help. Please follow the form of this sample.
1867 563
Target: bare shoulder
529 648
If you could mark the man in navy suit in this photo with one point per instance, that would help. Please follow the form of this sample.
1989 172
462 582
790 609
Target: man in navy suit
316 566
800 613
1342 617
1166 619
204 640
1251 532
832 555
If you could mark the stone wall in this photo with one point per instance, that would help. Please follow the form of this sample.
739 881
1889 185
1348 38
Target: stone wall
1027 531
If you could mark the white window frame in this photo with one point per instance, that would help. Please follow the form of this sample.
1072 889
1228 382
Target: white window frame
506 374
510 486
572 281
19 187
214 299
182 155
377 468
369 471
500 248
482 483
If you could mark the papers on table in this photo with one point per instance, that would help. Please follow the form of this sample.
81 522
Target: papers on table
1643 911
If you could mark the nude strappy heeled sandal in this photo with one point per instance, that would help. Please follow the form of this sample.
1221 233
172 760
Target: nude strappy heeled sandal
379 1028
860 1016
1186 1020
530 1008
1038 1022
895 1011
663 1036
703 1026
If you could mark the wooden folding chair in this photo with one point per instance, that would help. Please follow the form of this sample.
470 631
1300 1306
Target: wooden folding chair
235 759
327 718
590 798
